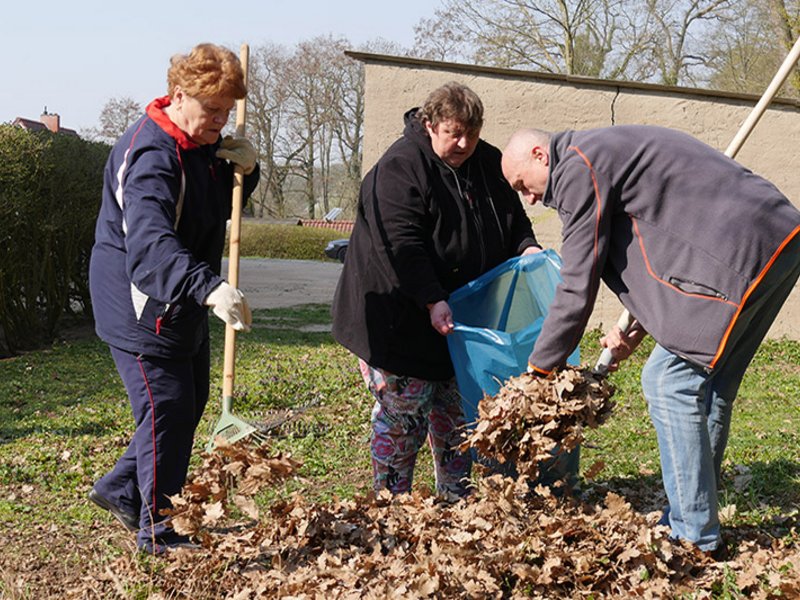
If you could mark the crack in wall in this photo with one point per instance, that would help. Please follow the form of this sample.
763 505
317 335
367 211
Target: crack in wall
614 107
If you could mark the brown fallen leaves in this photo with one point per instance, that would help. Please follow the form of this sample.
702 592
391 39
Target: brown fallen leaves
501 542
506 540
232 474
533 418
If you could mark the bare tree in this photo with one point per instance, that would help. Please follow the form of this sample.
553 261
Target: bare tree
441 38
267 113
748 47
787 16
348 129
599 38
117 115
666 41
307 121
680 50
348 119
310 94
742 49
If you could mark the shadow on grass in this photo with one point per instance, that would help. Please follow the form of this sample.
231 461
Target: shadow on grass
645 493
14 430
775 484
59 391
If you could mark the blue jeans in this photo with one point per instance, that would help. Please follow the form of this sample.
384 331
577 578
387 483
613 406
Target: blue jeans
691 408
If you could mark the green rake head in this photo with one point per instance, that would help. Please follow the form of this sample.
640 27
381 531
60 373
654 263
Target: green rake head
232 428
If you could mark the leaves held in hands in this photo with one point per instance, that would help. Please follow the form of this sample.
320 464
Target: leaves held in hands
531 418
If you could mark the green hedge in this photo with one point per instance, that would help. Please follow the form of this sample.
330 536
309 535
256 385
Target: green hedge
266 240
50 188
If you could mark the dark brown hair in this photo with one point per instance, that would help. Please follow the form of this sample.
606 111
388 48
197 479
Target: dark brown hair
452 101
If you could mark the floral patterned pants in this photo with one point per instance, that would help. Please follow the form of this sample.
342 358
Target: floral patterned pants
407 410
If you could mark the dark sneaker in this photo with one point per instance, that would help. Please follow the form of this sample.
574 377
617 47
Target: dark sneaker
129 519
159 547
721 553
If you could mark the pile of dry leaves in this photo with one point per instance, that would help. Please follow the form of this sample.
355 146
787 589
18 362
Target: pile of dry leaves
533 418
506 540
231 475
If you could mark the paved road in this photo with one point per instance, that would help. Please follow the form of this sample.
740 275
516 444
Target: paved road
277 283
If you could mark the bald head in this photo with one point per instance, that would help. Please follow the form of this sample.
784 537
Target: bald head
526 160
523 140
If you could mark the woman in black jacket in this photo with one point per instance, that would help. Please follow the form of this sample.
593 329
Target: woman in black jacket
434 213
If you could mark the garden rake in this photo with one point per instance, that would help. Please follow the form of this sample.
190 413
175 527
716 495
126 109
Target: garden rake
230 427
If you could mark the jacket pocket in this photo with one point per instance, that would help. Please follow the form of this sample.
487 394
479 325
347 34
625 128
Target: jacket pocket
154 315
693 287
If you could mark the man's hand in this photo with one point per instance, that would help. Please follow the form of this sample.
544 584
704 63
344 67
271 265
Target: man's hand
229 304
531 250
621 345
239 151
441 317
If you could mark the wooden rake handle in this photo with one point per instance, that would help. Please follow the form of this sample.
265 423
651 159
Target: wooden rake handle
228 369
626 319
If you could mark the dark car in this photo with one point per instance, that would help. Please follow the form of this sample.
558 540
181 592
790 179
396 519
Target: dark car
336 249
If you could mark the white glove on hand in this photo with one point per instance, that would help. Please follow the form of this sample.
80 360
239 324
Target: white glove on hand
239 151
229 304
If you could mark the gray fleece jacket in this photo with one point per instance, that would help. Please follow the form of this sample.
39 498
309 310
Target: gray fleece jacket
678 231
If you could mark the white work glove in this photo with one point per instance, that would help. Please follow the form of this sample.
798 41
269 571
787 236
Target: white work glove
239 151
229 304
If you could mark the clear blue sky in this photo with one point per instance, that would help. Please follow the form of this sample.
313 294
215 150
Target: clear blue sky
73 56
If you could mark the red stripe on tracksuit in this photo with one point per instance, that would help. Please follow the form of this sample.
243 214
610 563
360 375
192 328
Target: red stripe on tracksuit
152 427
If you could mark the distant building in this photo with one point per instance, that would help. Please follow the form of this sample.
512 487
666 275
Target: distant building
48 122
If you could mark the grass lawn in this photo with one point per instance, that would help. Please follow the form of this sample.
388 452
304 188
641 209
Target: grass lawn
64 420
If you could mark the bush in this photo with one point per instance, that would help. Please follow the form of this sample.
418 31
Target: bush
50 188
267 240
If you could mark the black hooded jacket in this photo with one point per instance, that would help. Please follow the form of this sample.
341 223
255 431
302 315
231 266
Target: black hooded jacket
422 230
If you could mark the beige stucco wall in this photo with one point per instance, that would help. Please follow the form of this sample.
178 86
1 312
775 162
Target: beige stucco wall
515 99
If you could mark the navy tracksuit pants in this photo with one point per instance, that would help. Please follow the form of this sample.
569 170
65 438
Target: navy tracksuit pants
168 397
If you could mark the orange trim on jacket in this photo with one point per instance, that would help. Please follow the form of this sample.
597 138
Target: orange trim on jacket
647 173
749 291
667 283
595 251
538 370
597 204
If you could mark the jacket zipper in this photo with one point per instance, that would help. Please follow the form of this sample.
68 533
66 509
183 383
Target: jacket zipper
162 317
466 196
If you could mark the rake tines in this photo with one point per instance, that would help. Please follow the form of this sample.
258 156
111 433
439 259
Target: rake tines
232 428
272 422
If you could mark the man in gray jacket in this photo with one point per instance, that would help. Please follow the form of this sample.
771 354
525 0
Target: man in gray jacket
700 250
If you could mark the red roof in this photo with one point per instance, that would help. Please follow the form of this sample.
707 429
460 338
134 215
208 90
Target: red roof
344 226
31 125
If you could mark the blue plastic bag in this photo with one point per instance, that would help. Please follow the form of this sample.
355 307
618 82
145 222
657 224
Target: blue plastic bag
498 317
